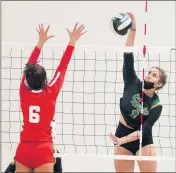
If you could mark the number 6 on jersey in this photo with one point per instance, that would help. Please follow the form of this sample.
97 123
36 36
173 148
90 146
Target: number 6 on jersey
34 116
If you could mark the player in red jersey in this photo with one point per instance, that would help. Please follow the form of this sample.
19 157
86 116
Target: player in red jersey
38 100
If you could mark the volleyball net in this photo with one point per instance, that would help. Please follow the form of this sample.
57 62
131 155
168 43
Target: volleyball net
87 108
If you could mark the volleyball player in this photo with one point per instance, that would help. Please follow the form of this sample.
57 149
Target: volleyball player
38 100
127 134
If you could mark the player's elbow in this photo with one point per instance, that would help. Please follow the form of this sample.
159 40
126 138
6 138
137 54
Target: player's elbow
146 130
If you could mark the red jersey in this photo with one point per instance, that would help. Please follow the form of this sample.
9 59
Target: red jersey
38 107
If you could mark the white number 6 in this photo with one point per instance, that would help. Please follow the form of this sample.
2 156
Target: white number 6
34 117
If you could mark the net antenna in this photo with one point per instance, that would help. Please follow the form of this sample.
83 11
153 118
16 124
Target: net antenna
143 74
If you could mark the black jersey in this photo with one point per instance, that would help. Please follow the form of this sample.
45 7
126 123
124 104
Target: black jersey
130 103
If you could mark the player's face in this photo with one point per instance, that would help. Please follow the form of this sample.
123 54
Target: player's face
153 76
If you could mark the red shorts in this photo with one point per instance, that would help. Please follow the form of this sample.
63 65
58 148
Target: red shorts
34 154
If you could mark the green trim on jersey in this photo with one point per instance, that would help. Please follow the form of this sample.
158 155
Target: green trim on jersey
155 103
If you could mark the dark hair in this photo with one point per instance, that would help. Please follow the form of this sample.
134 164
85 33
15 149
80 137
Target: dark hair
162 77
35 76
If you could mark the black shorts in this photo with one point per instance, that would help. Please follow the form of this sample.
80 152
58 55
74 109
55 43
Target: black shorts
133 147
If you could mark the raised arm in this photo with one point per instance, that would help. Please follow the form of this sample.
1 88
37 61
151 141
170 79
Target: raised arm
129 74
58 79
43 37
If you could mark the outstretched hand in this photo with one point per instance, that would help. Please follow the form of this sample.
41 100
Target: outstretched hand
43 34
76 33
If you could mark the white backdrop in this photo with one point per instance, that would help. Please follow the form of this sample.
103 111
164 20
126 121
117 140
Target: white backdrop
19 20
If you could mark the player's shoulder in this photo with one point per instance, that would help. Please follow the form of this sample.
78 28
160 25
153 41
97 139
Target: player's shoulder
156 104
50 91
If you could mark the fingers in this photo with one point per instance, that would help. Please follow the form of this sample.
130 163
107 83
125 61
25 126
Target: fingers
43 33
50 36
46 31
41 28
130 14
76 32
37 30
75 26
83 33
80 29
68 31
112 137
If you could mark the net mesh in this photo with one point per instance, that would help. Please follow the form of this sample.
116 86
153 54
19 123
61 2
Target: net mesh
87 108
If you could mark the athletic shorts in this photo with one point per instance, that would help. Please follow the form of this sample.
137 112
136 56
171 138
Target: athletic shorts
133 146
34 154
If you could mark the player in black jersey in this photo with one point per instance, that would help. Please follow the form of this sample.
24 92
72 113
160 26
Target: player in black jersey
127 135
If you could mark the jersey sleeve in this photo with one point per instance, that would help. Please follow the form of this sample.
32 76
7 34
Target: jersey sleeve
32 59
58 79
151 120
129 74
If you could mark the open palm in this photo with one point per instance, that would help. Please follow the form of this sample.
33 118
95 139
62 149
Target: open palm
76 33
43 33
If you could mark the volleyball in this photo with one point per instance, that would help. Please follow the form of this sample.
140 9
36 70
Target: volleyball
121 23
